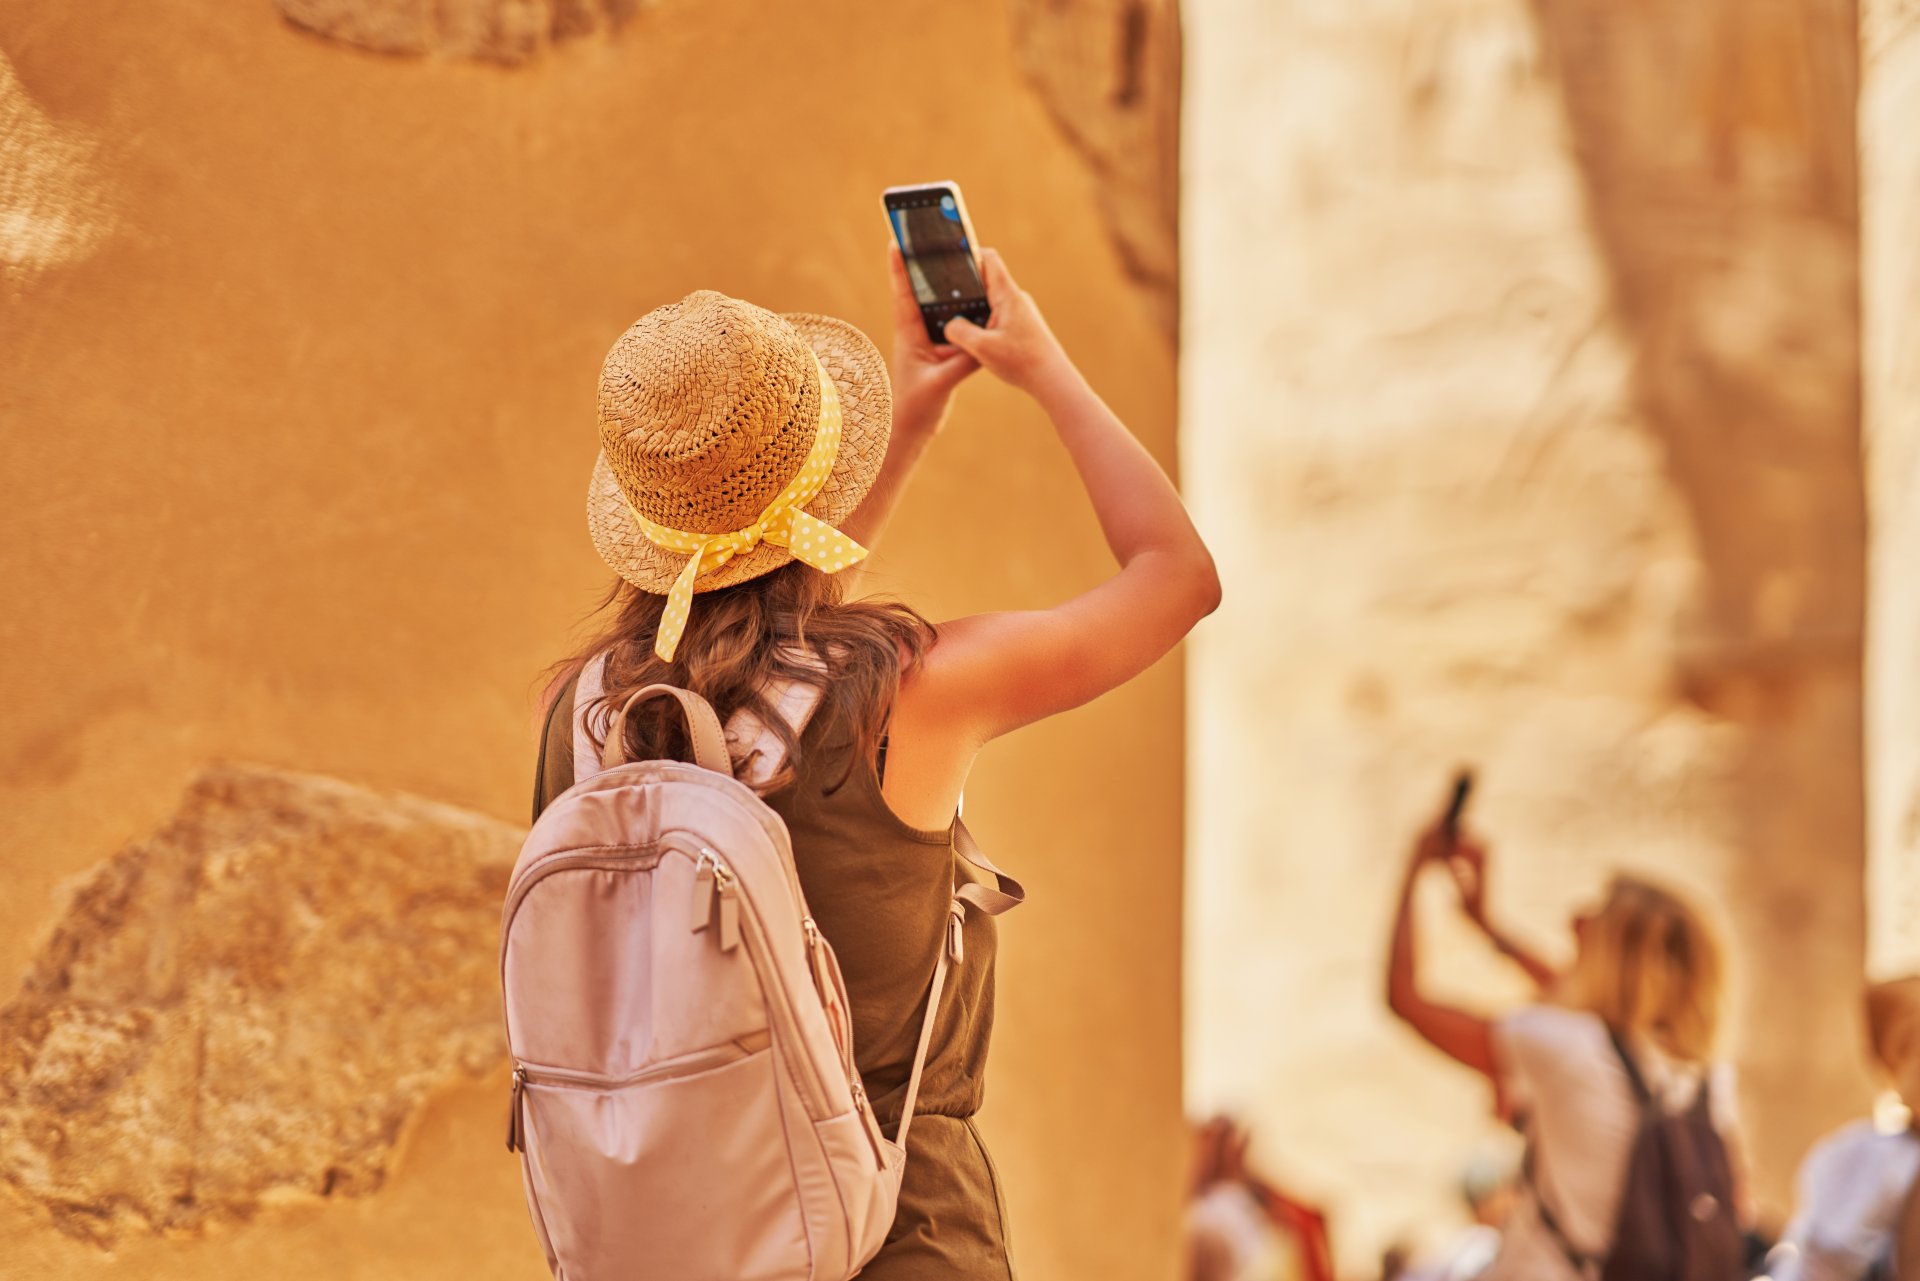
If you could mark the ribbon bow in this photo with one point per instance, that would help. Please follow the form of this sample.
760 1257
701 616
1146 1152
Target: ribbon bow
782 524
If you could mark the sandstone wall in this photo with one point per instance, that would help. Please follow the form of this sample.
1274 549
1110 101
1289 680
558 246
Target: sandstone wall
1890 210
301 325
1520 356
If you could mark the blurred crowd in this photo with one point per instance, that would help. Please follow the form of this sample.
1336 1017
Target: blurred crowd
1632 1166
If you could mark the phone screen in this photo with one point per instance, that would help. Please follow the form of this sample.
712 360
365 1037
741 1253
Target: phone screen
932 230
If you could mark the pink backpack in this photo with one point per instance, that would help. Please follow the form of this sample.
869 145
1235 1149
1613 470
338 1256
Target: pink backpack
685 1103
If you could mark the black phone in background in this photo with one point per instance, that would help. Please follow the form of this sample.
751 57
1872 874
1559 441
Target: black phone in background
936 241
1462 789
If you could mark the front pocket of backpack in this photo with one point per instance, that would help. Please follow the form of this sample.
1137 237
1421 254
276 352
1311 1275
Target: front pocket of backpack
682 1177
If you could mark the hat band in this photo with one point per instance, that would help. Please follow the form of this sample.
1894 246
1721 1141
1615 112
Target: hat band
782 524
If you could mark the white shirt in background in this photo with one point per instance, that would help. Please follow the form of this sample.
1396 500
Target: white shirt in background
1466 1258
1851 1189
1558 1069
1232 1239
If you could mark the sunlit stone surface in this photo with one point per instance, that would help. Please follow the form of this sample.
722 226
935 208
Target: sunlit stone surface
1520 366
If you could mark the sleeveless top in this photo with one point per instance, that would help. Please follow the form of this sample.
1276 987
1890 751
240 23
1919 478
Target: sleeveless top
879 890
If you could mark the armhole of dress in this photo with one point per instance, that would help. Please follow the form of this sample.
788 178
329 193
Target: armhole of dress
543 793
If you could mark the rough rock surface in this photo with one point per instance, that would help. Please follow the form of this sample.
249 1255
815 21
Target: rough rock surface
1518 409
250 1003
1109 72
508 31
52 207
1890 211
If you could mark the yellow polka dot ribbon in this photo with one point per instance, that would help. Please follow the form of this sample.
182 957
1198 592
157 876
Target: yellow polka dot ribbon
783 524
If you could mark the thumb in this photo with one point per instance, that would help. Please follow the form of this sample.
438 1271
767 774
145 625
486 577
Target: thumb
966 335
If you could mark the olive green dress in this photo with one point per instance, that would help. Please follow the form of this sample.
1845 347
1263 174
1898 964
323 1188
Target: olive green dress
880 892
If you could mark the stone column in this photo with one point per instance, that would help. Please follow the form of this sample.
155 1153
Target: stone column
1717 150
1519 390
1890 253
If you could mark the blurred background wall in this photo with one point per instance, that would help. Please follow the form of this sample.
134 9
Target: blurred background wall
1890 277
1521 397
303 309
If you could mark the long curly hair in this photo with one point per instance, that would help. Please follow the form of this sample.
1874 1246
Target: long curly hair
792 624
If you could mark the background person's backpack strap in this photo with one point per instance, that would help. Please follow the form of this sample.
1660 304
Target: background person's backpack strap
1676 1219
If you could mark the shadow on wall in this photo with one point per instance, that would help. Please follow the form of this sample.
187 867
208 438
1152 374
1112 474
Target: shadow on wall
504 31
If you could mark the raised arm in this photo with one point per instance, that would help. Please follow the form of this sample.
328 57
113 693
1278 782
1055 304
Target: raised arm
1468 863
1464 1037
993 673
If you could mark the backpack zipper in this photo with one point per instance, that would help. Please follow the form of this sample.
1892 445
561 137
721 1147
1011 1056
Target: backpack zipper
735 923
714 883
685 1065
515 1135
833 991
613 858
739 922
864 1106
833 994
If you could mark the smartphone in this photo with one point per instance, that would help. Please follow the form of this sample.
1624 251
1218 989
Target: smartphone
936 241
1457 806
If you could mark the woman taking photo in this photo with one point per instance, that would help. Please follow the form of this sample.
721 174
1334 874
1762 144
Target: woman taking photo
748 462
1638 1011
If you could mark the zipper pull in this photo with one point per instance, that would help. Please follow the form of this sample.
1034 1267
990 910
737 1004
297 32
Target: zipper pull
515 1138
864 1106
817 955
703 891
729 908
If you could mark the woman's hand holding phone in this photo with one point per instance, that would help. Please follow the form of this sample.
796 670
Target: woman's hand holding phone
1444 844
1468 863
1016 345
924 375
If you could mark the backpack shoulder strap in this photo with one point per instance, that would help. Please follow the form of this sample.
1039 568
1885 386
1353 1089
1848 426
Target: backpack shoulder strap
1002 897
1635 1078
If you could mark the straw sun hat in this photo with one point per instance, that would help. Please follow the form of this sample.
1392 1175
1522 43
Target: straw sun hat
713 413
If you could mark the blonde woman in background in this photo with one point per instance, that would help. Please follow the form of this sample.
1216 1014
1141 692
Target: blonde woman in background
1647 971
1857 1186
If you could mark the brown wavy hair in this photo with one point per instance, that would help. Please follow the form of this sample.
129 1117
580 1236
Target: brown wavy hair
741 640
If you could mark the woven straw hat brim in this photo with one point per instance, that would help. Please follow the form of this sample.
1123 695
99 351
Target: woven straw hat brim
866 397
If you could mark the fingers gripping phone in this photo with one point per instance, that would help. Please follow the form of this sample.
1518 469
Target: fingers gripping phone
936 242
